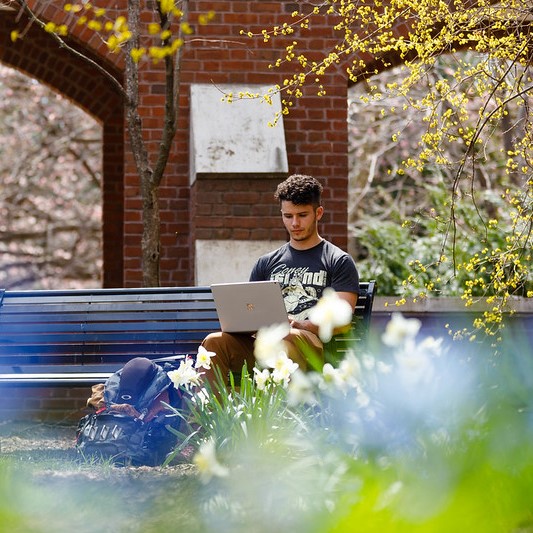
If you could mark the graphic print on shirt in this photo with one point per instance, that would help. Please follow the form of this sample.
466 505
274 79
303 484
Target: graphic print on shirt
300 288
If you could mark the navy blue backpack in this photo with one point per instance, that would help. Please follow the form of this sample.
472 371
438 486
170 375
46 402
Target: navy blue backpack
132 423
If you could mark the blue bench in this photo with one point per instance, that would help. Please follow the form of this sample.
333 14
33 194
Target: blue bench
80 337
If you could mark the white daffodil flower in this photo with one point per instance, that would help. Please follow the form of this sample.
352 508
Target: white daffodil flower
329 313
300 389
203 358
369 361
362 400
432 345
415 367
400 329
269 343
207 463
201 397
283 368
330 376
261 378
337 379
350 369
384 368
185 375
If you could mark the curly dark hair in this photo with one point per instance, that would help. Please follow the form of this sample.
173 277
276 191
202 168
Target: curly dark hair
300 190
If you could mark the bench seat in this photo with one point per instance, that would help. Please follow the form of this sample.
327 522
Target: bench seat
80 337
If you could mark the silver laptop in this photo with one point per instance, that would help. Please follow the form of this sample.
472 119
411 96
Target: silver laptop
249 306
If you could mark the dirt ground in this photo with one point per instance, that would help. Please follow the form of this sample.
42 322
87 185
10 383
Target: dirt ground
27 437
35 442
46 486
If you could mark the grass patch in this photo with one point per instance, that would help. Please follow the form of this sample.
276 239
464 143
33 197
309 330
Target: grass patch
45 488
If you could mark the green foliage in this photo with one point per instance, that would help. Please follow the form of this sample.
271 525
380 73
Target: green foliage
388 249
222 411
429 254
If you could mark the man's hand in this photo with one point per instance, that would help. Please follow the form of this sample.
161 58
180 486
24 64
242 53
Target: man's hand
350 297
303 324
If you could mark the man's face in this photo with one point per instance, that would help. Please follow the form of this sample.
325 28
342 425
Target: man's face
301 220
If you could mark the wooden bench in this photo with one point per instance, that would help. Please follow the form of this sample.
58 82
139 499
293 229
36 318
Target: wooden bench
80 337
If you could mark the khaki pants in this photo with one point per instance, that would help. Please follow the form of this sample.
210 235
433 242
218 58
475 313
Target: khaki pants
233 350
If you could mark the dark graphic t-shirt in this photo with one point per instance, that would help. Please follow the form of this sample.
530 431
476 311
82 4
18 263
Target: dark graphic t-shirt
303 274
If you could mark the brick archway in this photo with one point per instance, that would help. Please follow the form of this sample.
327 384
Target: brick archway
315 133
37 56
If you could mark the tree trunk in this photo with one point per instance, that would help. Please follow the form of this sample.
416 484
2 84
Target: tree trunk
148 186
151 232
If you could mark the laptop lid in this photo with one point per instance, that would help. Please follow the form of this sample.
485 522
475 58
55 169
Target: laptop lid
249 306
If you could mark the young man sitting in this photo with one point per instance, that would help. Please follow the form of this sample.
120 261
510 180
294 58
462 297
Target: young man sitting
304 267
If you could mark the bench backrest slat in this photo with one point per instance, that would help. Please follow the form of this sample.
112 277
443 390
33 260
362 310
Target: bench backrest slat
193 321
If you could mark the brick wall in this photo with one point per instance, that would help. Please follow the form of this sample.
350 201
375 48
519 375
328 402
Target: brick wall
315 131
60 404
237 208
